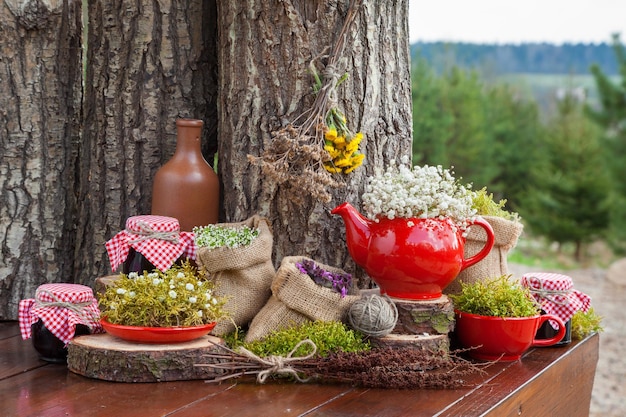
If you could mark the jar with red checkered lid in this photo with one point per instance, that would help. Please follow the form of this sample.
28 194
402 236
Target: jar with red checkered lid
57 314
556 295
150 242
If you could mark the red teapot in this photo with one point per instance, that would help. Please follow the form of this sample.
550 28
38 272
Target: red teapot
410 258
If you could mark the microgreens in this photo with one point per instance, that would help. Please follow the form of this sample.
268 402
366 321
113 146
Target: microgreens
216 236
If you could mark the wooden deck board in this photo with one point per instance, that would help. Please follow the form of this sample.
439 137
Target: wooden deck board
548 381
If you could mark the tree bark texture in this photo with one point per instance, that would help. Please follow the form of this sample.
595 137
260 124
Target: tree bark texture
71 175
40 96
149 63
265 48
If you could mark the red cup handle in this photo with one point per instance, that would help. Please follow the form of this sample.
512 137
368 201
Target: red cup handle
479 221
553 340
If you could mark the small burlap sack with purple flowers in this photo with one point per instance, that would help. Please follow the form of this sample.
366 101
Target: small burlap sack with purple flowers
243 275
297 299
506 233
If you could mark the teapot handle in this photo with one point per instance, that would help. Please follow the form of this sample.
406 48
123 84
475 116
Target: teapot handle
479 221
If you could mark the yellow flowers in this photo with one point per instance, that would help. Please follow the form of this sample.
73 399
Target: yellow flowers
341 144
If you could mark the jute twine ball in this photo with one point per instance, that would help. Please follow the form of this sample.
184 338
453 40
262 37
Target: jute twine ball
373 315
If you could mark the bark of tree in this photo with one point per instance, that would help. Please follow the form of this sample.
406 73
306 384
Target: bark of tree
71 176
40 72
264 50
148 64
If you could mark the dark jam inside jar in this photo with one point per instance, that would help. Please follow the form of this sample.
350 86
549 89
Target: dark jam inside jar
51 348
136 262
546 331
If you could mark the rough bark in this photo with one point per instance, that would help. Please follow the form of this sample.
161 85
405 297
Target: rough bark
148 64
40 70
264 50
425 316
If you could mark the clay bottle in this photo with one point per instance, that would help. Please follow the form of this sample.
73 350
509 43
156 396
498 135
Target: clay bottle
186 187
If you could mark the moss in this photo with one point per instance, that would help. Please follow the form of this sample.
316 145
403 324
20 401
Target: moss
327 336
585 323
496 297
485 205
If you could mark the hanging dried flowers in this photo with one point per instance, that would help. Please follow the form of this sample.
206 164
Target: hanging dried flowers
304 155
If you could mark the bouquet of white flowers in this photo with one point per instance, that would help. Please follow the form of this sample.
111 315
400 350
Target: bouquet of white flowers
421 192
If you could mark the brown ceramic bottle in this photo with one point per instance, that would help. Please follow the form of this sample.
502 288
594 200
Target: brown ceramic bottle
186 187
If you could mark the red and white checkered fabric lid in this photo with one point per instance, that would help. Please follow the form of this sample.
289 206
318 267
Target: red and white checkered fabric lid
157 238
61 307
555 294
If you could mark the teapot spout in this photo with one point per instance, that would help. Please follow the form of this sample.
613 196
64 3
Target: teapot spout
358 233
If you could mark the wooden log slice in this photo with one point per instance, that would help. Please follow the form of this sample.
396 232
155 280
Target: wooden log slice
437 343
102 283
424 316
102 356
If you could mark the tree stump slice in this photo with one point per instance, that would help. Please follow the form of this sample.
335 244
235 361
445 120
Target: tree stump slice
424 316
102 283
102 356
437 343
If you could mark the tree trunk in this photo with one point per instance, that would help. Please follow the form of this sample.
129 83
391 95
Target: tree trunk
40 71
148 64
265 48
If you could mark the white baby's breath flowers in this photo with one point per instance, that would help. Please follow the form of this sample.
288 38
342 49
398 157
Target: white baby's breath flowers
421 192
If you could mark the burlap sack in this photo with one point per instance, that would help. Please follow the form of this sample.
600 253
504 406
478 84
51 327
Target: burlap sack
243 274
495 264
297 299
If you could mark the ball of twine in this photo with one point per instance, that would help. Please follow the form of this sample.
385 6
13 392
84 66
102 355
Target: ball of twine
373 315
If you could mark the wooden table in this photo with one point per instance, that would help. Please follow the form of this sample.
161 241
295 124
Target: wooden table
545 382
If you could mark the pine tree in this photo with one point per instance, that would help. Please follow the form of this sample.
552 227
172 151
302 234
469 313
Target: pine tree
611 116
570 200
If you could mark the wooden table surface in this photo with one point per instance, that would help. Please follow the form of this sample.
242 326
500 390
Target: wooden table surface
550 382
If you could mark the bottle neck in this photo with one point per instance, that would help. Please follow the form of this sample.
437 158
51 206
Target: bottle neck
188 142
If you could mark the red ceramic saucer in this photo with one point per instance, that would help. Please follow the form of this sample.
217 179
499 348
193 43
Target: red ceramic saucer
156 334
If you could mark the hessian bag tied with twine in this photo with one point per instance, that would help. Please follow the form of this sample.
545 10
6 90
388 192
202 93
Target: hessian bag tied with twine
506 233
297 299
243 275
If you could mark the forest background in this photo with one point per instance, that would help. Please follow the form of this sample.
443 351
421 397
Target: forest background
540 125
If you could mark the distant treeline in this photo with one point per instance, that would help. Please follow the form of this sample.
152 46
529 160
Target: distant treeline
543 58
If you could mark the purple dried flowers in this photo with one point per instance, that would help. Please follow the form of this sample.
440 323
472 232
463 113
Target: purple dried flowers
337 281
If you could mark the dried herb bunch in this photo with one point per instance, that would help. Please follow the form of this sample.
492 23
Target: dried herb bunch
304 155
405 368
295 161
337 281
331 352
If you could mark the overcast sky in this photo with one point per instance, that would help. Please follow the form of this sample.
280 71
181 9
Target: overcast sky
503 21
